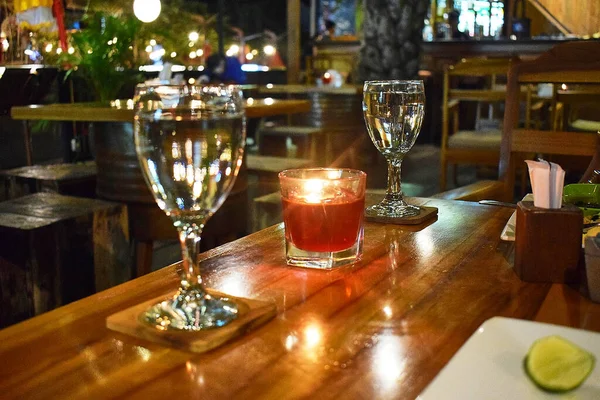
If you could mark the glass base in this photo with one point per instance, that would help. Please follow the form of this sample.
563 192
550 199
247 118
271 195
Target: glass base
191 310
323 260
392 210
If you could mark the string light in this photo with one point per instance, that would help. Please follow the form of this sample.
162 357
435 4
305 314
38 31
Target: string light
146 10
233 50
269 50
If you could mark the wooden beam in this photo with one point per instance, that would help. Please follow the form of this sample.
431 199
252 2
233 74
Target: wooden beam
293 50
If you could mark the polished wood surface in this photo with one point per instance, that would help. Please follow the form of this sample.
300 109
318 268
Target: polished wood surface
251 313
122 110
380 329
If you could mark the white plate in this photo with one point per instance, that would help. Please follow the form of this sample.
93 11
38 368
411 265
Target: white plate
490 364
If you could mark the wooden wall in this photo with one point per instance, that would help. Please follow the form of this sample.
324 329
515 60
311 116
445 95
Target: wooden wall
580 17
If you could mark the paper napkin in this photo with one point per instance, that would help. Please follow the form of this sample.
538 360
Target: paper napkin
547 181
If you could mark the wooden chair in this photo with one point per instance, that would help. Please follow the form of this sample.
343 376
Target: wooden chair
579 106
480 146
567 63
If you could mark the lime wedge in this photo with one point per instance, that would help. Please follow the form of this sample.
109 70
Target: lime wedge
555 364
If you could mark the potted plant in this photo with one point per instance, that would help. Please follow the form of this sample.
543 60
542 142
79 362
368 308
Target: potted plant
103 53
112 44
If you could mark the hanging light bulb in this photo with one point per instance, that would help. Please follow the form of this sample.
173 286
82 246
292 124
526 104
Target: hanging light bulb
146 10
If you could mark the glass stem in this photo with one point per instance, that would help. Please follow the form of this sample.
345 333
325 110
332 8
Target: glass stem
394 187
189 237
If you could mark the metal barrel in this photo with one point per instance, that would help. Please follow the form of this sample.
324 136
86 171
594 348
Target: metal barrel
120 179
331 110
119 174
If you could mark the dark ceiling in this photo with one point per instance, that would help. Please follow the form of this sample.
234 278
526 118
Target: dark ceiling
252 16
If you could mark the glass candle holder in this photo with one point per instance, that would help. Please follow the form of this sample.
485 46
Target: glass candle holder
323 213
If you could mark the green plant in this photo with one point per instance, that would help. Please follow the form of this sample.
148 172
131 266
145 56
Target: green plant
107 64
104 52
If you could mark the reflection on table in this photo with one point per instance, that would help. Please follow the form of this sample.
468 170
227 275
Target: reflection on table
380 329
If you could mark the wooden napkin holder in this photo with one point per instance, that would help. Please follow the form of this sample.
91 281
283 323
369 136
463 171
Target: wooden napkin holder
548 243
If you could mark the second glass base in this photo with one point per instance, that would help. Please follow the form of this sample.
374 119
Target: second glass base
392 210
323 260
191 310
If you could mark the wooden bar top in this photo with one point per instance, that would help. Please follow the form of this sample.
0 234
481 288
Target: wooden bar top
301 89
382 328
122 110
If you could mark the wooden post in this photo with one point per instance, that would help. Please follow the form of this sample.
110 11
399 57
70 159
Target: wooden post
433 20
293 50
509 9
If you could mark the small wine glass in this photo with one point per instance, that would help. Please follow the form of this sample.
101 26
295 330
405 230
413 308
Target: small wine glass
190 142
393 112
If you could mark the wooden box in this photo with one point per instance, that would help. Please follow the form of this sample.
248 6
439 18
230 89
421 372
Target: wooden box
548 243
55 249
77 179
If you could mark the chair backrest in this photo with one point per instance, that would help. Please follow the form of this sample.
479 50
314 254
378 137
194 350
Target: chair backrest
566 63
489 92
491 67
578 103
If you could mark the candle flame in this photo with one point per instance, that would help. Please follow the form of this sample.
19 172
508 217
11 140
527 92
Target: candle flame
313 189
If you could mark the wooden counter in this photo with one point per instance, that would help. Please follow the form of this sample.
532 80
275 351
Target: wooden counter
380 329
457 49
306 89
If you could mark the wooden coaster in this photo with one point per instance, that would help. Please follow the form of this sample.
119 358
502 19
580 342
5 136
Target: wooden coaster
251 314
425 214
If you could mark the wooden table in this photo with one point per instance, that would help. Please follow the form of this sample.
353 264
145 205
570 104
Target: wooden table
380 329
122 110
304 89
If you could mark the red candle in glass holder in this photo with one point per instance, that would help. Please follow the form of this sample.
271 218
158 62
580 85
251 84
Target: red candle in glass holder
324 226
323 211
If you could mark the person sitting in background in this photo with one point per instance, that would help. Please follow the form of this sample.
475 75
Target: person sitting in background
223 69
451 30
329 32
453 22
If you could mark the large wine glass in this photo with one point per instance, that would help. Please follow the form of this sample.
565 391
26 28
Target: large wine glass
190 141
393 112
